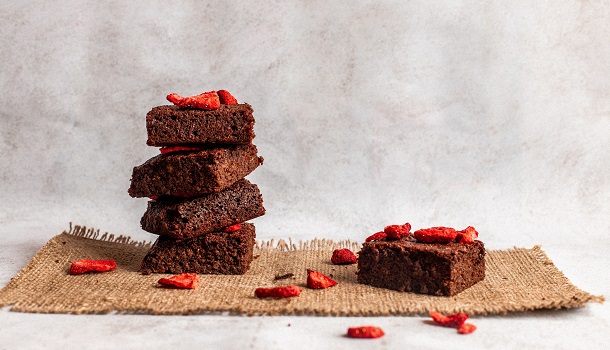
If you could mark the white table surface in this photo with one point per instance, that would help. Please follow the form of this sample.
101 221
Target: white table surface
586 328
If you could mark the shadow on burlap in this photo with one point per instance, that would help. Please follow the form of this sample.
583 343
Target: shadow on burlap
516 280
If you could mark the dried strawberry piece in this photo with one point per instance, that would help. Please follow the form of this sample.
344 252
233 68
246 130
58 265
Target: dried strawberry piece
395 232
365 332
232 228
455 320
86 265
207 100
175 98
466 328
154 198
376 236
437 234
343 257
284 276
173 149
278 292
467 235
316 280
226 98
182 281
440 318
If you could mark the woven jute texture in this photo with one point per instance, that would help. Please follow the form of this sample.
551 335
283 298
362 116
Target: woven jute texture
516 280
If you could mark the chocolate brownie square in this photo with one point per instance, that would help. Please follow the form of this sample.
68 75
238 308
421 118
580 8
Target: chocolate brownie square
216 253
188 174
186 218
426 268
173 125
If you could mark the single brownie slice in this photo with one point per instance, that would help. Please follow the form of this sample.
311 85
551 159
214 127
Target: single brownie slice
427 268
172 125
217 253
186 218
188 174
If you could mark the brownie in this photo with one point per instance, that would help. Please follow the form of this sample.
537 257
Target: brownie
186 218
193 173
426 268
173 125
217 253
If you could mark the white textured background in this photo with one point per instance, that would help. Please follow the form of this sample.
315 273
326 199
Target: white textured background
494 114
489 114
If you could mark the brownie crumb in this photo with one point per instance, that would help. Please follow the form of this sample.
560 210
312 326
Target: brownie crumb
283 277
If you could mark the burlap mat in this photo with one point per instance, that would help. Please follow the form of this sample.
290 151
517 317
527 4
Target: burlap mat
517 280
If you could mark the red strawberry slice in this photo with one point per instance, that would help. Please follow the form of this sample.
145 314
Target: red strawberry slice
395 232
343 257
376 236
467 235
437 234
232 228
206 101
316 280
181 281
226 98
173 149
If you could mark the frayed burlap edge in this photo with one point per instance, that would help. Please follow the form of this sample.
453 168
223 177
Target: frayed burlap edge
280 245
91 233
497 294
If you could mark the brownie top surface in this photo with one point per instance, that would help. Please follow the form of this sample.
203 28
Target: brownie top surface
410 244
164 110
208 152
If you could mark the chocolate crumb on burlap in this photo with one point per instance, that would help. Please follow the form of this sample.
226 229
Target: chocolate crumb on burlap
517 279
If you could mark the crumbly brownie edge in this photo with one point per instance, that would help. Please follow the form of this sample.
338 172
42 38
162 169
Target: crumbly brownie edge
472 261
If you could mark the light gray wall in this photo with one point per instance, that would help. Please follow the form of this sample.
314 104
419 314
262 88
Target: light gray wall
494 114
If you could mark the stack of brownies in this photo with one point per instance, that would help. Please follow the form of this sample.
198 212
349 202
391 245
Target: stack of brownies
199 196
